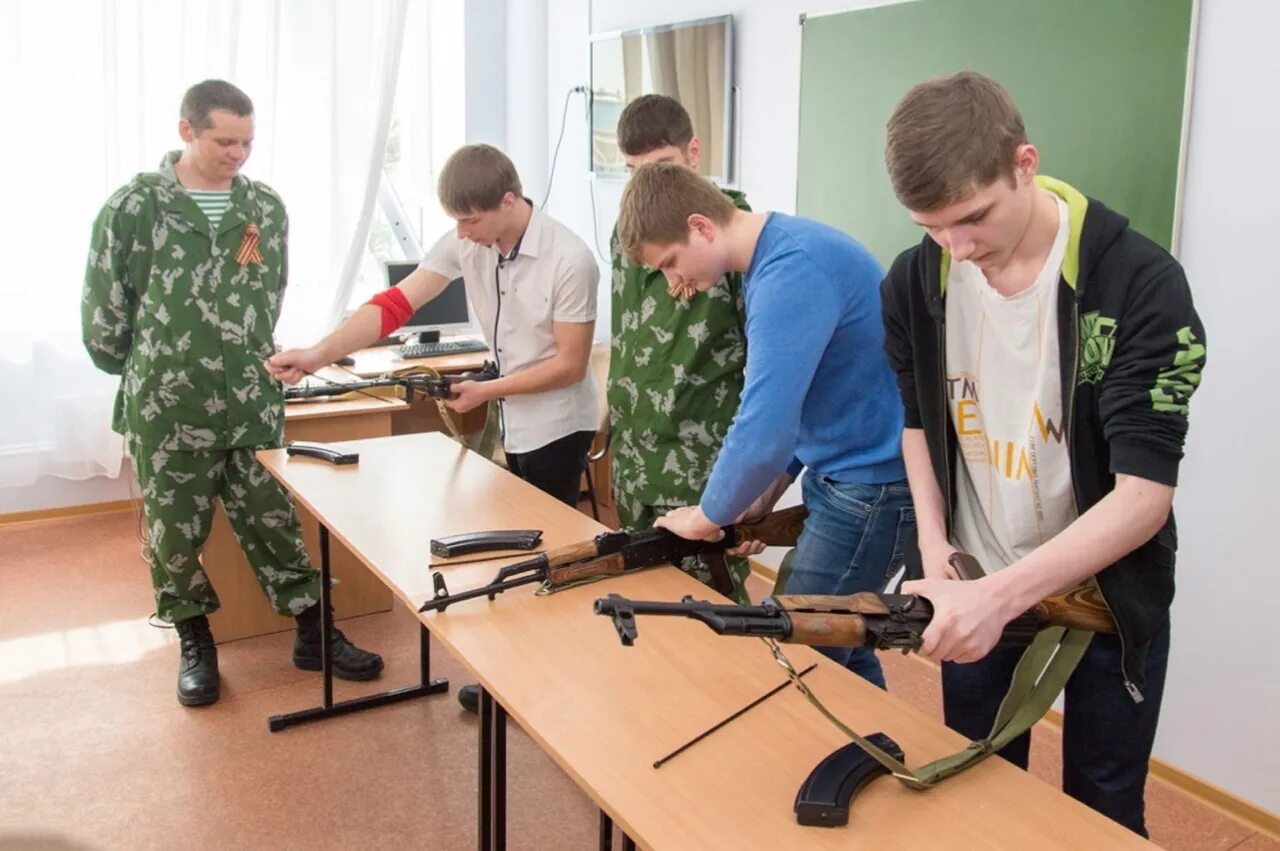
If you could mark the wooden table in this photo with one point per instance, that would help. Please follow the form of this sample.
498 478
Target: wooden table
245 611
604 712
425 416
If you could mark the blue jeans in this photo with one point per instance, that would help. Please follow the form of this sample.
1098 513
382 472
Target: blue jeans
854 539
1106 737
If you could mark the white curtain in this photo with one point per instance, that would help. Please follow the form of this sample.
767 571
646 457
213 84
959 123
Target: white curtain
92 95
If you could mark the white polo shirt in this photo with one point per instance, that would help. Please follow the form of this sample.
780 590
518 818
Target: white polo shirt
552 278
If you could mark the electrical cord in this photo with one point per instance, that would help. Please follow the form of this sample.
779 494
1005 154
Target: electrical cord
595 222
551 177
564 115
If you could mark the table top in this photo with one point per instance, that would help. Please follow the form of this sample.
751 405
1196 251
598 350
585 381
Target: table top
380 359
605 712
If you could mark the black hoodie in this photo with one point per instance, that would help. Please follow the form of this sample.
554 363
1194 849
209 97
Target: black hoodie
1131 351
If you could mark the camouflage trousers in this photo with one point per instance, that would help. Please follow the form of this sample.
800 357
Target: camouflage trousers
695 566
178 492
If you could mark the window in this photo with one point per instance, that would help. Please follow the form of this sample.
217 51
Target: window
427 125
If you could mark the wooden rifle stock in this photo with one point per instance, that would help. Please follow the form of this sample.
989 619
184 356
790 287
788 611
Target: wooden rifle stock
779 529
841 621
1079 608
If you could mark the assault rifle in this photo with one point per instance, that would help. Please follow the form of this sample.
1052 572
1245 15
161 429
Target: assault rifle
616 553
879 621
426 386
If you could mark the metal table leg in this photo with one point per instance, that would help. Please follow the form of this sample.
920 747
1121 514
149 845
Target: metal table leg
493 774
329 709
606 832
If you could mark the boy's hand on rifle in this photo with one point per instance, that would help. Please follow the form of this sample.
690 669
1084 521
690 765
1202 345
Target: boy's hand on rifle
292 365
746 548
968 618
690 523
935 561
468 395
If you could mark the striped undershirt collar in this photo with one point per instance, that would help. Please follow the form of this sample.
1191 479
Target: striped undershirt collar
213 204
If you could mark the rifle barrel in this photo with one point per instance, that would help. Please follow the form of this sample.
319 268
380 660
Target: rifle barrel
511 576
336 388
609 605
440 603
723 619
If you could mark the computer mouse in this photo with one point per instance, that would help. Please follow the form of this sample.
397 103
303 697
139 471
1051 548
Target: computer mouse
345 362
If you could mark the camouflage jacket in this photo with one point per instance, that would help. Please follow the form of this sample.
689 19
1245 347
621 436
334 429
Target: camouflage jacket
168 307
675 376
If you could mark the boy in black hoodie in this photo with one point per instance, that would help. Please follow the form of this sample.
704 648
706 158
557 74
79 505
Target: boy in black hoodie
1046 353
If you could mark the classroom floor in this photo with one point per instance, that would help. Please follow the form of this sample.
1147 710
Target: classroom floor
97 754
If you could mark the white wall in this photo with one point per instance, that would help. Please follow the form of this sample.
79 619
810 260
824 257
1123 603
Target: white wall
485 70
1223 695
767 48
526 114
53 492
1220 703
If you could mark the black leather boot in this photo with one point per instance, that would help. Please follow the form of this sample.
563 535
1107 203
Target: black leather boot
198 669
469 698
349 661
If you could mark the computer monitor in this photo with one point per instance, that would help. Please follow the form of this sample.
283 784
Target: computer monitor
445 314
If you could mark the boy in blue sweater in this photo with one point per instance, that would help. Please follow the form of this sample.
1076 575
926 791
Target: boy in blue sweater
819 392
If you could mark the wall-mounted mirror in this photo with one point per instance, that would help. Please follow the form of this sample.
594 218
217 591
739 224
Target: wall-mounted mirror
691 61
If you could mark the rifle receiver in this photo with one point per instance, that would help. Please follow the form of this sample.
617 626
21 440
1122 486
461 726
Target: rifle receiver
624 617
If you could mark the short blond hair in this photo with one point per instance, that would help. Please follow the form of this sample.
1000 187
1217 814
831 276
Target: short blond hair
657 204
476 179
949 137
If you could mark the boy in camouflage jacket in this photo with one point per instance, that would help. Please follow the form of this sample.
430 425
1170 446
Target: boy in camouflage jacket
676 369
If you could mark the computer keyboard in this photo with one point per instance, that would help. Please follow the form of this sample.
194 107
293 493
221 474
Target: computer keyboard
444 347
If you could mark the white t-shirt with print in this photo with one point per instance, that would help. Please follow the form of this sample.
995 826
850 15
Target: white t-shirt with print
1004 394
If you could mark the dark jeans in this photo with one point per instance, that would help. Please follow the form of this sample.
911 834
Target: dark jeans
555 468
854 539
1106 737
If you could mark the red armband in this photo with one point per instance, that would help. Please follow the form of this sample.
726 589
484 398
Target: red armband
395 309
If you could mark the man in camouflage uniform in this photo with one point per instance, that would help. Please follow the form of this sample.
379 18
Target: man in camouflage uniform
675 373
186 273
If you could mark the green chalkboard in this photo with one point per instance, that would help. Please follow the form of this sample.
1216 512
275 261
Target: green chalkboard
1100 83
